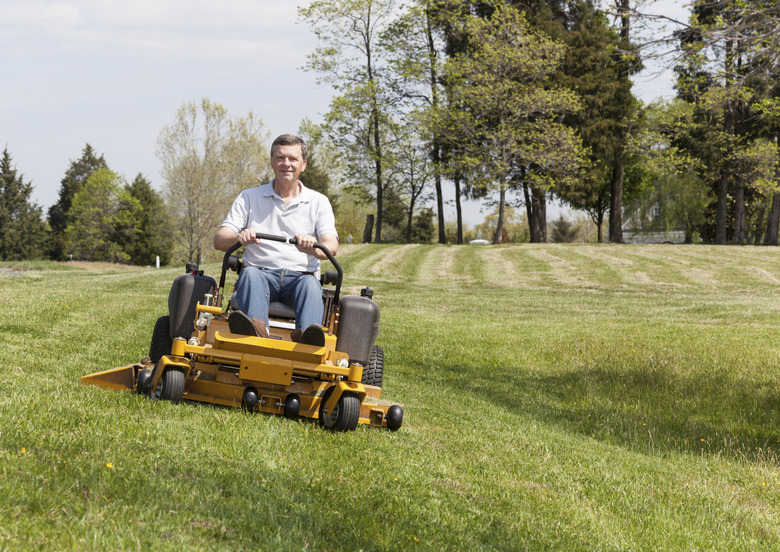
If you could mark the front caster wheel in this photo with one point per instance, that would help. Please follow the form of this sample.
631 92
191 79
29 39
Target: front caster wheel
345 414
171 386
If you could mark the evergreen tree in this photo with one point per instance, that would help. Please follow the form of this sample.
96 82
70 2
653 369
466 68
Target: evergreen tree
144 229
590 68
95 213
22 230
59 213
423 228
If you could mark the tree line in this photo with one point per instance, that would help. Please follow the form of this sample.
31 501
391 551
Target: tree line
517 102
514 103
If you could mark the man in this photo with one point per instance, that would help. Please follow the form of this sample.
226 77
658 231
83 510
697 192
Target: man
275 271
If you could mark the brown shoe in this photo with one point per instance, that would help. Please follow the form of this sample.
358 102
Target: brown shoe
313 335
241 324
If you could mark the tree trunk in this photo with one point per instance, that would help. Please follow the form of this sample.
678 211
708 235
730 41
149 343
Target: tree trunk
439 200
540 213
721 230
458 211
497 239
367 231
773 222
536 210
436 147
409 223
720 217
529 214
616 200
739 214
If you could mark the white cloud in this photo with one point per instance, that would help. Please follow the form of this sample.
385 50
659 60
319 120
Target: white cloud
49 15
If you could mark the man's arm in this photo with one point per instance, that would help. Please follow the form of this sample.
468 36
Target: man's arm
225 237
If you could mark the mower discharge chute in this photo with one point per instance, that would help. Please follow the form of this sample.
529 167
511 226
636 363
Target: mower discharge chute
194 356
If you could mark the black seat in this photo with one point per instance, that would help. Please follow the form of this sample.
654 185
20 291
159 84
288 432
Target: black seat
277 309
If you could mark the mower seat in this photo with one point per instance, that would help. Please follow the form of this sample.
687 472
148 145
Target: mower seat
277 309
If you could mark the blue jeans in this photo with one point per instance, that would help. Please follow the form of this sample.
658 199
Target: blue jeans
257 288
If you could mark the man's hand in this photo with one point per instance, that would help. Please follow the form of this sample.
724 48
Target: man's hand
225 238
306 244
247 236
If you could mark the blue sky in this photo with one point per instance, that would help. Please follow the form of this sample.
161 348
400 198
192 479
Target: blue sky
114 72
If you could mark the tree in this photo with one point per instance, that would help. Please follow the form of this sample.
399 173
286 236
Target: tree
349 60
592 68
59 213
564 230
145 231
94 213
729 71
415 49
22 231
514 230
412 170
422 227
323 164
505 112
208 158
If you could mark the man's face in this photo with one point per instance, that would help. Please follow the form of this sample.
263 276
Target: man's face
287 163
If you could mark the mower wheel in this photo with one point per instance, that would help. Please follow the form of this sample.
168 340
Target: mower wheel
375 369
161 339
172 384
345 415
142 380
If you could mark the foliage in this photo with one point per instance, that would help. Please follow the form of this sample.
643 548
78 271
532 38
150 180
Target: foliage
98 208
732 91
59 213
323 165
564 230
423 227
22 230
350 61
147 231
596 70
514 229
208 157
504 114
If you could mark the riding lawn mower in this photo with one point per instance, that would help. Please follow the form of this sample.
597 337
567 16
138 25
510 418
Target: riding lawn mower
194 356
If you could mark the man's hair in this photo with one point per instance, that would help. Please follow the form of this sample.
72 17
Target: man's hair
290 140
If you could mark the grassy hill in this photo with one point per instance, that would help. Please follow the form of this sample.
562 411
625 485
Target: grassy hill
556 397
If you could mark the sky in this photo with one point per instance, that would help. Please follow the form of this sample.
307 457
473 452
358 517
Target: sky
112 73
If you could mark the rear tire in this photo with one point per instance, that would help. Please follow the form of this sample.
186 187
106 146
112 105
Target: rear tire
161 339
345 415
375 369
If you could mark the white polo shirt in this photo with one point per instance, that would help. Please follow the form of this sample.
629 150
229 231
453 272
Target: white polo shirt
264 210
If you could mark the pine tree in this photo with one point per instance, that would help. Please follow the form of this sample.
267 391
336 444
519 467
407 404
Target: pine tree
59 213
95 211
152 229
22 230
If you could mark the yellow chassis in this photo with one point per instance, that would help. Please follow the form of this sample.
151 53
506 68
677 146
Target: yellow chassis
220 366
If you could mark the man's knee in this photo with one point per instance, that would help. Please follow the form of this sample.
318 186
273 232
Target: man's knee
309 287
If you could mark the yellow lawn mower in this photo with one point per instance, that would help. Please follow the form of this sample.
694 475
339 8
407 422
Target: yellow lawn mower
194 356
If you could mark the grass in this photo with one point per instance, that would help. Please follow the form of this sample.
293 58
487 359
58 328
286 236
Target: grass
555 398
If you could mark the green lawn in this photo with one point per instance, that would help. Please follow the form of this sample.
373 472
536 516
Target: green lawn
556 397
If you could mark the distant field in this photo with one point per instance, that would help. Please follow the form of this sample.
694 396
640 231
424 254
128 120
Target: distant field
556 397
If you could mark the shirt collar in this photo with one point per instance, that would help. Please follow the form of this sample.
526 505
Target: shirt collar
303 196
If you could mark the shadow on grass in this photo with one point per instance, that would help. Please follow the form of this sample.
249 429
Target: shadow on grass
645 410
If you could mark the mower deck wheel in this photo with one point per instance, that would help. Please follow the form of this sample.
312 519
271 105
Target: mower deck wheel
345 415
171 386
